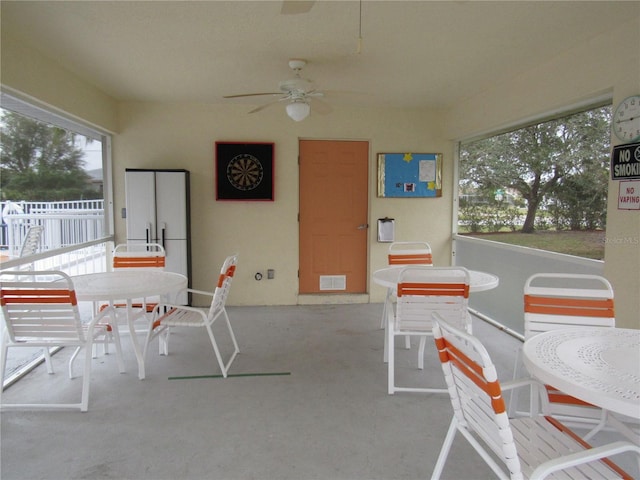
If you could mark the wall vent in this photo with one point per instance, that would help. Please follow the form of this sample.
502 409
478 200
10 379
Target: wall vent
333 282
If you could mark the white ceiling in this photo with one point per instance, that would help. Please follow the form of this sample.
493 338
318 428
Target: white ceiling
414 53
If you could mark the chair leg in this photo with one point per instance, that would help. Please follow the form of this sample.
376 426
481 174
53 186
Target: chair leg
224 367
236 348
3 362
105 347
390 318
47 360
423 343
513 398
444 451
163 342
391 358
86 379
114 334
216 350
73 358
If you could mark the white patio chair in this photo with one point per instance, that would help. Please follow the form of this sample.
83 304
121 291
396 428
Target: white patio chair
421 291
533 447
40 310
168 316
561 300
31 242
409 253
148 256
404 254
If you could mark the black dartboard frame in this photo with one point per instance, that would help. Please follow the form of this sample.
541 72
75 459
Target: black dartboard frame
244 171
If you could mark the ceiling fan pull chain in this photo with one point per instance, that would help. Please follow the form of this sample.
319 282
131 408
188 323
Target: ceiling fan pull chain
359 48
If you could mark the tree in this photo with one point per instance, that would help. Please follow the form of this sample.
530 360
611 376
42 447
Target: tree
40 162
541 160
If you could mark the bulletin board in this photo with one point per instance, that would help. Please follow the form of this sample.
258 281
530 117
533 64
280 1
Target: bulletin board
410 175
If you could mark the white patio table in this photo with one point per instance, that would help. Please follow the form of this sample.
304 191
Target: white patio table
600 366
128 285
478 281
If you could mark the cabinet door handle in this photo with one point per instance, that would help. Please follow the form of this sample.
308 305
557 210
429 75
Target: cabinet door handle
162 230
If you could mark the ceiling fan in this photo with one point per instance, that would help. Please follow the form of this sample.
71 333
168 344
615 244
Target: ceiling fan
298 91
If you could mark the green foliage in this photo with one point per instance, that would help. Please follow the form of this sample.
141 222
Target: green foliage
587 244
493 217
563 163
40 162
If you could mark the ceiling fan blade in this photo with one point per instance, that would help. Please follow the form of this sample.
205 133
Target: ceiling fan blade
320 106
292 7
266 105
252 94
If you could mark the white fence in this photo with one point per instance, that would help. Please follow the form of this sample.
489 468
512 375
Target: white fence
65 223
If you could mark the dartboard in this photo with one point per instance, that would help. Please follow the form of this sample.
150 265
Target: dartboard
244 172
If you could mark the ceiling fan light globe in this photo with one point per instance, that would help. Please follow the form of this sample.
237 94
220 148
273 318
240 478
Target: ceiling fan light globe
298 111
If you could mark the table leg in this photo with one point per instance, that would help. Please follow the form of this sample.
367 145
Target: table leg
623 428
134 339
384 308
388 311
113 323
116 337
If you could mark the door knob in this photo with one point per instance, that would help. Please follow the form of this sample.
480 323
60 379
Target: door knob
364 226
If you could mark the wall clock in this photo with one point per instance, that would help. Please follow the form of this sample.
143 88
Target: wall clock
626 119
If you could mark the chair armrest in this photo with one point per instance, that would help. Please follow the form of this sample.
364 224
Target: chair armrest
521 382
161 308
91 324
584 456
199 292
168 306
108 310
536 388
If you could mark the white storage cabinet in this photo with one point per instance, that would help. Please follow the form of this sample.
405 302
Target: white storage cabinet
158 211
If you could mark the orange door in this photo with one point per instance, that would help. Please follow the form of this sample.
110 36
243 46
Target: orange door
333 216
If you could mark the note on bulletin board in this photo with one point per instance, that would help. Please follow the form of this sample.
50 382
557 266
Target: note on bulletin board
409 175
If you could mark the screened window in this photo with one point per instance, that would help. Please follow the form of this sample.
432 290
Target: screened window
52 174
547 179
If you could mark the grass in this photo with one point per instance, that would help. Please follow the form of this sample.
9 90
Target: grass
588 244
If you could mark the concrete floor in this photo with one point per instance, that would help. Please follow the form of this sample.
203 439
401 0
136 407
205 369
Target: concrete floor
325 415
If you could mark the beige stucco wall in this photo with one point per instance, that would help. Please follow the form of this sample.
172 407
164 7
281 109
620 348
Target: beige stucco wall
608 64
36 77
266 233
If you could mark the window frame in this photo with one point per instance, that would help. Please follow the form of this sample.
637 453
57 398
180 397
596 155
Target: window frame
568 110
37 111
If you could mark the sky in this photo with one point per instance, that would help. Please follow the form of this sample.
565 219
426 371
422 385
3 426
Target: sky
92 152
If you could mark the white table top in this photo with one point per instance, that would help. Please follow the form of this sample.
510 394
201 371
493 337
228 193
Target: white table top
119 285
598 365
479 281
